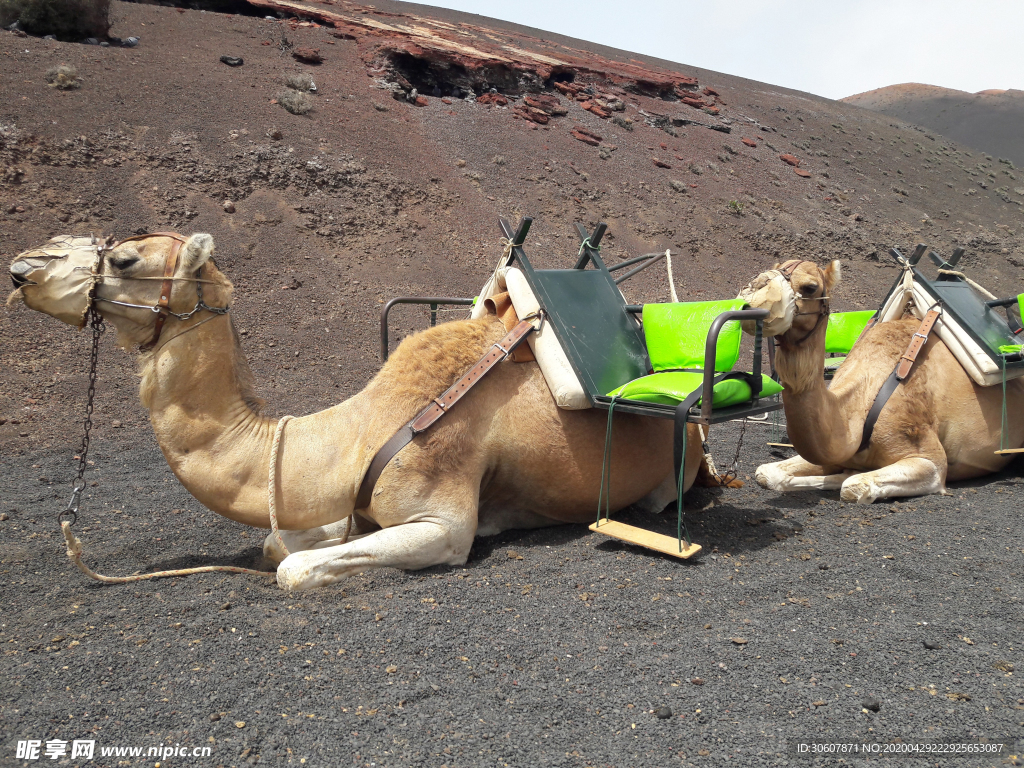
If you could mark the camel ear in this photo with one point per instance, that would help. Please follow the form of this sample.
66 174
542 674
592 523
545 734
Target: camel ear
831 273
196 252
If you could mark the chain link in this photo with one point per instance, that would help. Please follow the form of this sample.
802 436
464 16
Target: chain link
732 473
70 512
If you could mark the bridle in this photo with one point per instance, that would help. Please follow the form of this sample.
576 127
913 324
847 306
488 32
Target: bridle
163 306
786 270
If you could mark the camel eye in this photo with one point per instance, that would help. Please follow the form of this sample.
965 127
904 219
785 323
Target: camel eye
809 290
124 262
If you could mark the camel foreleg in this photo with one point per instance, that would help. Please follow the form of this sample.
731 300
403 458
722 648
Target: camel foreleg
408 546
797 474
315 538
907 477
438 529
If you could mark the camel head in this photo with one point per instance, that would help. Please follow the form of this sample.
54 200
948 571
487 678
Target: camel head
793 293
57 279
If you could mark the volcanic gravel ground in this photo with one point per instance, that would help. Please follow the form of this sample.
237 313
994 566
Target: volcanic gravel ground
552 647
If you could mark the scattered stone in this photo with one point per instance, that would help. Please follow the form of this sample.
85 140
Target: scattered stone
582 134
872 705
215 717
596 109
4 517
275 134
307 55
232 61
533 115
661 163
295 284
1003 666
801 172
130 42
546 103
738 640
690 101
749 142
492 98
818 703
446 100
931 645
226 606
663 713
116 424
420 101
513 555
697 680
790 160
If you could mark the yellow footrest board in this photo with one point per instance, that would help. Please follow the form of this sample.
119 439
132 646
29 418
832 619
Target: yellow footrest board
668 545
1010 450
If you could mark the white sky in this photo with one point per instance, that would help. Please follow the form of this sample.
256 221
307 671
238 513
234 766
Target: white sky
832 48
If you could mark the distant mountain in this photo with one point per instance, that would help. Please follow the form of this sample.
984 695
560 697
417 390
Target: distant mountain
991 121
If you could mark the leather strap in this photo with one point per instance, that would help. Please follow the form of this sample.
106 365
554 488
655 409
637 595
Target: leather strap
899 374
438 408
164 302
916 343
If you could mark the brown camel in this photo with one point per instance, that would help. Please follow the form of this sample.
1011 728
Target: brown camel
505 457
937 426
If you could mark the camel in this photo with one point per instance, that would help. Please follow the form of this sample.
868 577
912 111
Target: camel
938 426
504 458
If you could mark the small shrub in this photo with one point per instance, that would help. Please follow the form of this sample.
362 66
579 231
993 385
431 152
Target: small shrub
300 82
65 19
677 185
735 206
499 160
296 102
623 122
63 78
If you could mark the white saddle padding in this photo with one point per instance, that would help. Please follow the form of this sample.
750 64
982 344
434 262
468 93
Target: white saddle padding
975 360
554 365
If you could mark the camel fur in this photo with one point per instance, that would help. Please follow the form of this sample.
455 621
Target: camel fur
505 457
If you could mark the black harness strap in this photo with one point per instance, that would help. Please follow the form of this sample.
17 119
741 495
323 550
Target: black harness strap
683 411
438 408
900 373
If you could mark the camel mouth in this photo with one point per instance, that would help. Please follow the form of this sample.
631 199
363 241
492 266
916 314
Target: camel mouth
770 291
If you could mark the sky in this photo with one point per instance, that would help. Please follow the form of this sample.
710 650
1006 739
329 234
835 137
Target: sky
832 48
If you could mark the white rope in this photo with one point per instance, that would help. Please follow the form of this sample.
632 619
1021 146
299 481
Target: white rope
275 449
671 281
968 280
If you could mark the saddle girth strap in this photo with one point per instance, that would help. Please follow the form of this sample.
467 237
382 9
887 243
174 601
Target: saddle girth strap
438 408
899 374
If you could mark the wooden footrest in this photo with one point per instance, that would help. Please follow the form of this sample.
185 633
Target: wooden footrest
1010 450
668 545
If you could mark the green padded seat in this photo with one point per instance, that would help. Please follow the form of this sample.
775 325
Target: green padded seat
676 335
844 328
673 387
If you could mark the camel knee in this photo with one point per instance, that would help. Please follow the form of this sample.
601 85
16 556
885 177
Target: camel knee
915 476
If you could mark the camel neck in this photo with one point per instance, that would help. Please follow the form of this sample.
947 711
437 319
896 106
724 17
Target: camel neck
816 417
204 414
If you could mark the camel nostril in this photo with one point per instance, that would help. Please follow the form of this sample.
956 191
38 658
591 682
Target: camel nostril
18 271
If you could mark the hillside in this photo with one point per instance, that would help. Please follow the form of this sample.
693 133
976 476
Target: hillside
379 192
990 121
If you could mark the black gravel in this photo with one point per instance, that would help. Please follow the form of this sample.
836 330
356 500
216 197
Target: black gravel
806 619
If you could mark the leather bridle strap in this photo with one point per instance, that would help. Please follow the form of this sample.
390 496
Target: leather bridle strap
899 374
438 408
164 303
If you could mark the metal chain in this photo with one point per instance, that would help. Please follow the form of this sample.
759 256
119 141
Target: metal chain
96 323
731 474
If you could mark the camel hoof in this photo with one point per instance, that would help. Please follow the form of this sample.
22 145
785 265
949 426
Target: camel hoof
273 551
294 575
766 479
859 491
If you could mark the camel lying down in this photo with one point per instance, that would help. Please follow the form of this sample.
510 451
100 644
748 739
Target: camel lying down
504 458
937 426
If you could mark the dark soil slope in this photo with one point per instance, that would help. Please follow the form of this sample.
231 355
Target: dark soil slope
990 121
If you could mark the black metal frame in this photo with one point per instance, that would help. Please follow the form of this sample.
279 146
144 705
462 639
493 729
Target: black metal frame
590 253
926 284
433 301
